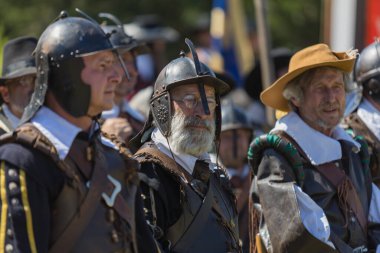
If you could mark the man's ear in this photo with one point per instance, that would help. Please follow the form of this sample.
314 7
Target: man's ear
4 91
295 102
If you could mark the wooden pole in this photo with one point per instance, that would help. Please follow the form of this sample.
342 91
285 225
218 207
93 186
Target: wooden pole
266 61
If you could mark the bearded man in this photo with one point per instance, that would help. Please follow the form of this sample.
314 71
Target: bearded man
312 190
188 200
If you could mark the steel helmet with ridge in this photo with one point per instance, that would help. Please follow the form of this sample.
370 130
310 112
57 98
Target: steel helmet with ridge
58 54
367 69
183 71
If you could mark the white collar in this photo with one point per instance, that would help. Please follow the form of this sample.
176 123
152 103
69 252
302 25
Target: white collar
59 131
185 160
125 107
370 116
114 112
318 147
131 111
13 119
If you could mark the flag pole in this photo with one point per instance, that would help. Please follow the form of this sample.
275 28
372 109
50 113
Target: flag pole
266 61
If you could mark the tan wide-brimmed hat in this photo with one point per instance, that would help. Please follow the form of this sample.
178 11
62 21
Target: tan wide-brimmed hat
319 55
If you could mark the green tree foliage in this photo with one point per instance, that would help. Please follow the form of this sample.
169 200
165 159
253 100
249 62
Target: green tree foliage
293 23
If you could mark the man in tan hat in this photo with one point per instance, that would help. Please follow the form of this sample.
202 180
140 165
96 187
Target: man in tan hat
17 81
312 191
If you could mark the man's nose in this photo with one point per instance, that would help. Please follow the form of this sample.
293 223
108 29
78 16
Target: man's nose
331 95
117 74
200 110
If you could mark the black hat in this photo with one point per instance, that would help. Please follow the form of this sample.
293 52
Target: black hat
148 28
18 59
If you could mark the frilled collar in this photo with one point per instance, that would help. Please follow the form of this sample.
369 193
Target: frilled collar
319 147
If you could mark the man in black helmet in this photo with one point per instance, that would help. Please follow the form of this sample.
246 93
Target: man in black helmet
122 120
17 81
64 187
235 136
365 118
189 202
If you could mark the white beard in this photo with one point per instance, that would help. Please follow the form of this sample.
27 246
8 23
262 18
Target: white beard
184 139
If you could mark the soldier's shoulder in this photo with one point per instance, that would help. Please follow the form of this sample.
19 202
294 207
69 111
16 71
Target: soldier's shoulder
36 164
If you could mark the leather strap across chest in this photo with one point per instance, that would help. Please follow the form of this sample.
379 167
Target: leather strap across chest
339 179
149 153
101 185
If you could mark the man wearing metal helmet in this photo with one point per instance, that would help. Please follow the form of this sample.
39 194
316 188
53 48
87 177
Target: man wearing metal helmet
235 136
17 81
189 203
122 120
365 118
64 187
311 190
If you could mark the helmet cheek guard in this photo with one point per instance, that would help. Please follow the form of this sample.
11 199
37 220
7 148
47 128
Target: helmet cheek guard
65 80
38 96
162 111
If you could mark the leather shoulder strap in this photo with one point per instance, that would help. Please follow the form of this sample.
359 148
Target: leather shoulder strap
29 135
149 153
339 179
359 128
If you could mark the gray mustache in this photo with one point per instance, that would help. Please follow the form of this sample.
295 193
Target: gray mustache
195 121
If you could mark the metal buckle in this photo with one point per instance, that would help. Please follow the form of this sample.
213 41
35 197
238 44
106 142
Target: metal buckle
117 188
361 249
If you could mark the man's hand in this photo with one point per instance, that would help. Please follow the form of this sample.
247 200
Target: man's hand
119 127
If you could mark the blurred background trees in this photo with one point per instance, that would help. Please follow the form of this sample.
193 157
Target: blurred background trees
293 24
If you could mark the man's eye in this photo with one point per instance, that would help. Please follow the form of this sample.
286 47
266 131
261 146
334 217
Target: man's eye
211 101
191 101
189 98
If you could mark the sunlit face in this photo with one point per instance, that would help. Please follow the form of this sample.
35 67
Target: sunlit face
101 74
192 130
17 93
323 101
233 147
127 85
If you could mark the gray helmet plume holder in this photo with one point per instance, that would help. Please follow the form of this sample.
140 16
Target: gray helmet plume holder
201 86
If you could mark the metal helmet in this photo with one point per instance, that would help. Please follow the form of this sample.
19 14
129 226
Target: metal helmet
120 39
182 71
233 117
59 63
367 69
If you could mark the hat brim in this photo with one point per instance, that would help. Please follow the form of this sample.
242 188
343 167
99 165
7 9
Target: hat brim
272 96
23 72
